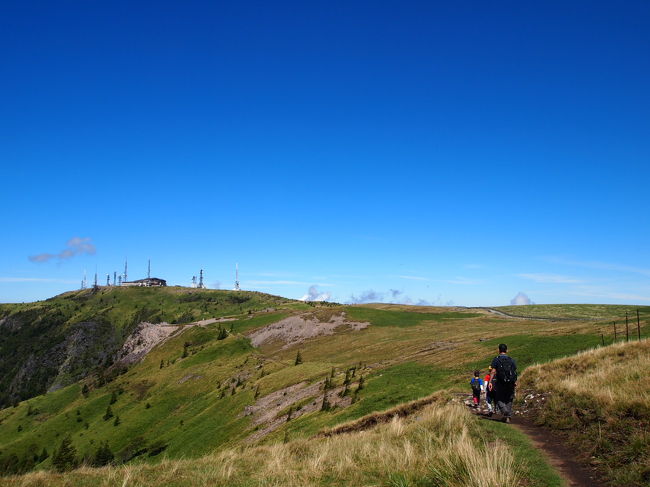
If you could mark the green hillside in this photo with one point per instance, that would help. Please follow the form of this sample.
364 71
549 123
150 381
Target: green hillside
232 383
53 343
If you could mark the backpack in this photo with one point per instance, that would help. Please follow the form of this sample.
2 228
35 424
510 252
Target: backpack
506 370
476 384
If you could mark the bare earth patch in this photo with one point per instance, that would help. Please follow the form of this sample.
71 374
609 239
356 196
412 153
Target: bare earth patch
297 329
265 412
143 339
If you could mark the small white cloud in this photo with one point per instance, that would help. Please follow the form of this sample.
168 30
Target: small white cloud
74 246
550 278
313 294
285 283
414 278
36 279
521 299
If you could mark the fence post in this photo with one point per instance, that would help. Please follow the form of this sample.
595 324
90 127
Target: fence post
627 329
602 339
638 325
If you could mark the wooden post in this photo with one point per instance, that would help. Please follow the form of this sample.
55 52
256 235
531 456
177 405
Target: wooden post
638 324
602 339
615 337
627 329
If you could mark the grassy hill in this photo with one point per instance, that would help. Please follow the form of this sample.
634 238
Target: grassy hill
53 343
598 400
204 391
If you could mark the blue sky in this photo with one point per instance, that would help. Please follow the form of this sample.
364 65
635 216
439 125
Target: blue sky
438 152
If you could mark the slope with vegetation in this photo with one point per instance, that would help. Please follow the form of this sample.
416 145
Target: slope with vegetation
599 401
53 343
206 390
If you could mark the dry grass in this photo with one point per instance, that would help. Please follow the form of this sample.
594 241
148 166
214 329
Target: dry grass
439 446
599 398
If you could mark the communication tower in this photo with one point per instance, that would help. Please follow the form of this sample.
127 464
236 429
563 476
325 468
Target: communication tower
95 286
120 280
193 281
125 277
108 280
237 288
84 281
201 285
114 278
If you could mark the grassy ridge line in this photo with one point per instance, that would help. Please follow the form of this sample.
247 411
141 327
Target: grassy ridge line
588 312
598 400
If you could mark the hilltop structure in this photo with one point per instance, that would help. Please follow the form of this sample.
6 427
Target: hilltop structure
148 282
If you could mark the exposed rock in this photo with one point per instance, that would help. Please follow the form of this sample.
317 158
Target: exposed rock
143 339
297 329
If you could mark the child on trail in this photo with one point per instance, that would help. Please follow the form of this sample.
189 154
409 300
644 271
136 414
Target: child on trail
488 390
477 387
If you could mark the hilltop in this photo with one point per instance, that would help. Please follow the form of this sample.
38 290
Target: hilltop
252 370
50 344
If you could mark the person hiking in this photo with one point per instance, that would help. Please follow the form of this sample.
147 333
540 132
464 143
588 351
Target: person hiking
477 387
488 390
504 381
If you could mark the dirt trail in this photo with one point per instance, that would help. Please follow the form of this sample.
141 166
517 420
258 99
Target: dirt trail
557 454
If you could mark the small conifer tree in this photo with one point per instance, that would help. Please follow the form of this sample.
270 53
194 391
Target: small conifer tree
113 398
257 391
162 363
65 457
85 390
361 383
325 405
298 358
117 421
43 456
109 413
103 456
289 413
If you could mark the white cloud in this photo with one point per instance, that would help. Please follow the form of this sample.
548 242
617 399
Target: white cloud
464 281
313 294
285 283
521 299
550 278
600 265
74 246
414 278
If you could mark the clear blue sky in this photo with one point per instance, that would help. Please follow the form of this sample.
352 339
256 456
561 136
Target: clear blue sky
449 152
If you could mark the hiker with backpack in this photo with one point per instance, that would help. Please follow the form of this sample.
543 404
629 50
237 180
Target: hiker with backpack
477 387
504 380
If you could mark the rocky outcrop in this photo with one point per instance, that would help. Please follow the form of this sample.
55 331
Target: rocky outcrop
143 339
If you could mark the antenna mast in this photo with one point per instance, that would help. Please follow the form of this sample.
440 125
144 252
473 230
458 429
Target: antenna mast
84 282
237 288
201 285
125 274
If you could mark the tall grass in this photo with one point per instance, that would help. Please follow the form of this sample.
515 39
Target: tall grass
600 399
440 446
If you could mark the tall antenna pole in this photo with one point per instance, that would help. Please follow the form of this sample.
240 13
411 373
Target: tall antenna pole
193 281
201 286
237 288
108 280
149 269
114 278
126 278
95 283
